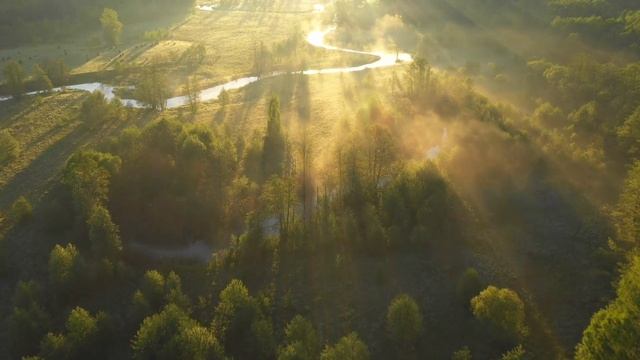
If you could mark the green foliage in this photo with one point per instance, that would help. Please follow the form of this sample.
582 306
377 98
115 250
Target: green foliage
152 88
156 291
418 79
194 56
629 133
41 79
96 109
404 322
104 235
193 93
245 330
349 347
87 174
417 207
57 71
173 184
83 338
111 27
614 331
156 35
53 347
171 334
274 144
547 115
223 98
502 309
81 333
64 266
585 118
462 354
632 22
28 321
51 21
21 210
173 291
627 212
517 353
469 285
252 159
301 341
9 147
601 100
15 77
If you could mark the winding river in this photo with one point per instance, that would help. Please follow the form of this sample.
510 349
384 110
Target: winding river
316 39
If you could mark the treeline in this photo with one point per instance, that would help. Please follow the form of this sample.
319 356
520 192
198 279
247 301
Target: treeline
614 331
596 105
609 22
37 21
291 219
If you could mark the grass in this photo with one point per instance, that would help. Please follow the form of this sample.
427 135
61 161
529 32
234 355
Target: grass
320 104
84 52
48 130
231 39
38 124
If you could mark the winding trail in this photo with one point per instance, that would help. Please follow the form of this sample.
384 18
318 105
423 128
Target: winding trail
316 39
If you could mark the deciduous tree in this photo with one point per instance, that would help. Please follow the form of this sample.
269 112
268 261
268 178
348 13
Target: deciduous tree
404 323
349 347
502 309
15 77
111 27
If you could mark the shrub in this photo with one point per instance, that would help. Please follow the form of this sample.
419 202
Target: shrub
21 210
9 147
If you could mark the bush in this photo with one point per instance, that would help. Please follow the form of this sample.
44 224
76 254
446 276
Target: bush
9 147
21 210
94 108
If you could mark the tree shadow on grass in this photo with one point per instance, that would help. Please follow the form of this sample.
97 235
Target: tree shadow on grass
44 170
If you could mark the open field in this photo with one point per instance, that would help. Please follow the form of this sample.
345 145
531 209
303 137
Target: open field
84 52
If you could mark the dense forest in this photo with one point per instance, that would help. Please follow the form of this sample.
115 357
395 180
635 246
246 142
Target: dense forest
278 179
